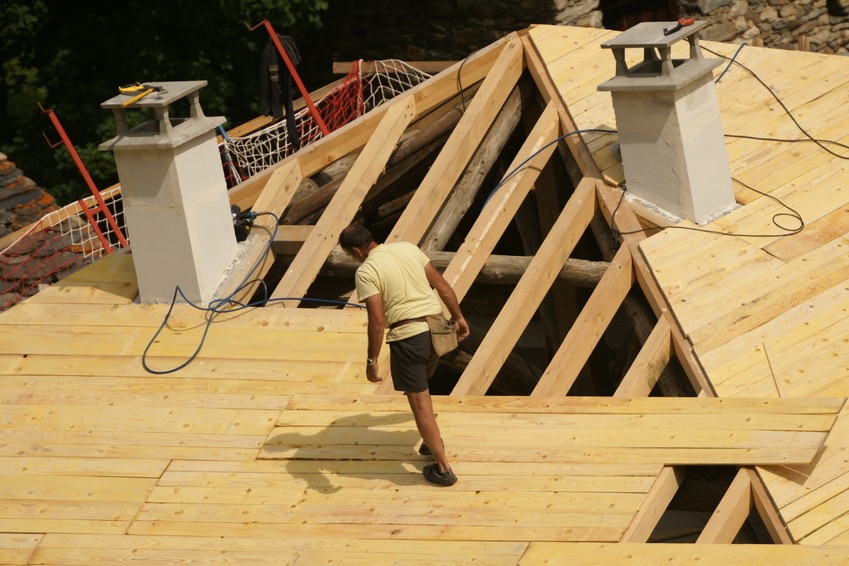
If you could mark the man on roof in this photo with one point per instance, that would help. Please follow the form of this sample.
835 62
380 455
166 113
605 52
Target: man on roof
397 282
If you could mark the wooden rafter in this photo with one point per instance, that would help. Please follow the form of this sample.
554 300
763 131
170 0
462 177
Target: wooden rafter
355 135
341 211
529 292
661 493
461 145
576 348
731 513
649 363
502 206
273 200
472 178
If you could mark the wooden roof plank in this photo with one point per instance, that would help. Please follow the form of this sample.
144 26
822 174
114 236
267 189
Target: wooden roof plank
263 376
651 360
462 143
343 208
829 227
752 305
529 292
573 405
238 344
665 487
764 455
739 358
565 420
325 531
252 550
18 548
370 438
182 317
502 205
201 487
136 467
582 338
671 553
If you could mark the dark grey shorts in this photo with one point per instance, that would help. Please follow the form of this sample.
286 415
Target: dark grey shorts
412 361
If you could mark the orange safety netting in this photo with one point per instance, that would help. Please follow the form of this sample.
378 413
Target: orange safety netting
58 244
358 93
78 234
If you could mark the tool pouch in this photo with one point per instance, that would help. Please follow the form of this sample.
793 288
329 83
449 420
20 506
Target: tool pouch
443 333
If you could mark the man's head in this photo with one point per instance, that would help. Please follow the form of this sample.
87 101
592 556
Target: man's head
356 241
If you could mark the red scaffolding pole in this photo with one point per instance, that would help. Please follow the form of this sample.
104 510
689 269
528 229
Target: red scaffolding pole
101 205
285 56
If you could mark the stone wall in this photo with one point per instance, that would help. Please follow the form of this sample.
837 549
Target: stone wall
783 24
444 30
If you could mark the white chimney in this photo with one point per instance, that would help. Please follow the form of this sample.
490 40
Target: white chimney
670 131
174 194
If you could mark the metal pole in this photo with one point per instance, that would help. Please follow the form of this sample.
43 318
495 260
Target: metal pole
81 166
282 51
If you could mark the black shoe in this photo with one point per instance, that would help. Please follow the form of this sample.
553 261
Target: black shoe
433 475
424 450
836 9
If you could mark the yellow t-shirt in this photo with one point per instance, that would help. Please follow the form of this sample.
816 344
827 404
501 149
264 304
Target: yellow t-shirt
396 272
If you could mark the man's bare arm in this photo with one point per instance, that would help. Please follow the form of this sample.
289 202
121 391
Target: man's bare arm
446 293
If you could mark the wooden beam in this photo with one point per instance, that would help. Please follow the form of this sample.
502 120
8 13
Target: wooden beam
258 256
498 269
417 142
576 348
464 140
472 178
551 94
503 204
611 199
342 209
551 184
520 307
731 513
354 135
665 487
649 363
766 508
430 67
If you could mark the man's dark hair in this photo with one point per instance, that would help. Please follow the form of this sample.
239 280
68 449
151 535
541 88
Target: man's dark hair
355 236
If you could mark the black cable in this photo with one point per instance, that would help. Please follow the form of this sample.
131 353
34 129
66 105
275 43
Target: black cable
780 103
787 231
790 140
216 306
460 89
521 165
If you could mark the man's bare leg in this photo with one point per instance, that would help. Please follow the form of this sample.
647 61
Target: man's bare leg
422 407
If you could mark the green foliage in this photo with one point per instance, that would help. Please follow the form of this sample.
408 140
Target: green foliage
71 56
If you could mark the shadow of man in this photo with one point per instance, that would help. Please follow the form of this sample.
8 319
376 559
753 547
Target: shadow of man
364 446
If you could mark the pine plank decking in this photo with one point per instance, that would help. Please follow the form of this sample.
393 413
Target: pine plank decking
240 459
271 447
766 314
